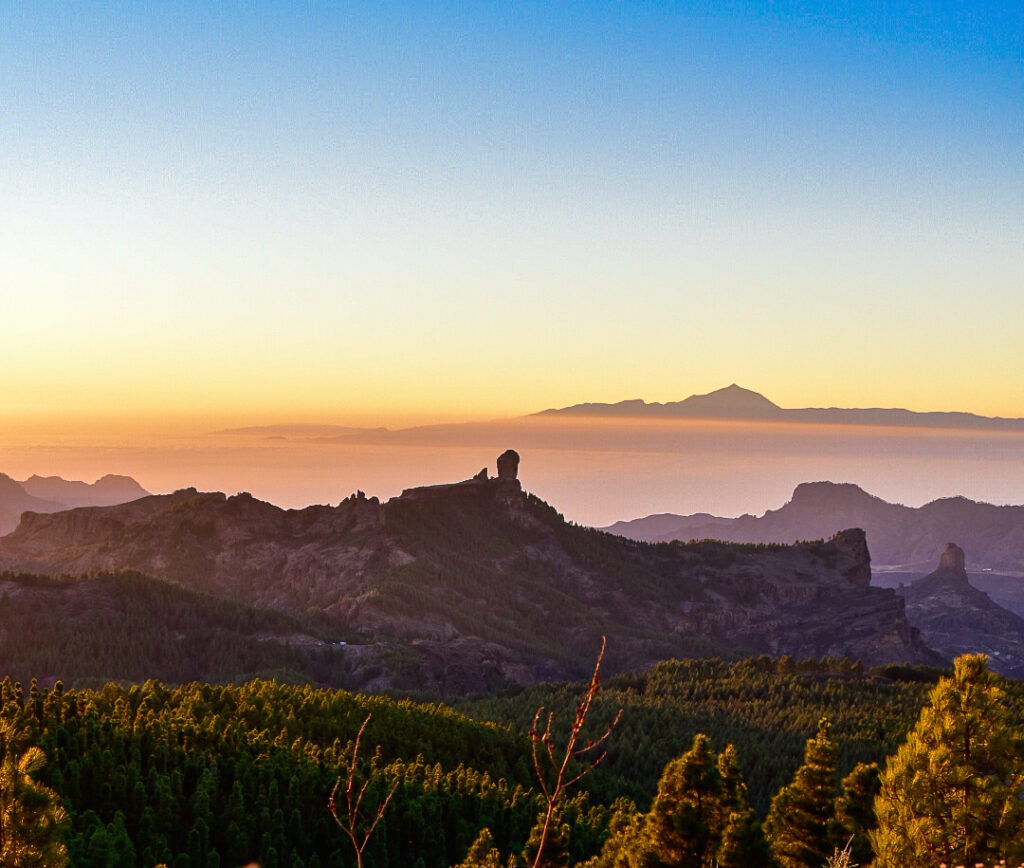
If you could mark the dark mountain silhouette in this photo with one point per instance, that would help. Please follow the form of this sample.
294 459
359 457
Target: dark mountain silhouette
45 494
900 536
956 618
735 402
105 491
478 584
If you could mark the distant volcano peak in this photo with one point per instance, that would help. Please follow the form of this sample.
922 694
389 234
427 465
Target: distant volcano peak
734 398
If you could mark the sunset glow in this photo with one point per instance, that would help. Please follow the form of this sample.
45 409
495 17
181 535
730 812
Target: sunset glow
397 216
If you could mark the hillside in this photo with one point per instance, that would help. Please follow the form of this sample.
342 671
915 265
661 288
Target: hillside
205 774
14 500
129 627
478 584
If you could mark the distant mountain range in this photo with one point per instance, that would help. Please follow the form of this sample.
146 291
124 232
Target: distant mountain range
904 544
45 494
476 585
901 538
735 402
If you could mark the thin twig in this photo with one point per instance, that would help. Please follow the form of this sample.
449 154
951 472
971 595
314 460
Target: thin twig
553 794
350 825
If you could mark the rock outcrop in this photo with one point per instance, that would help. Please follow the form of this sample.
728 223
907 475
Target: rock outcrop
508 464
953 561
956 618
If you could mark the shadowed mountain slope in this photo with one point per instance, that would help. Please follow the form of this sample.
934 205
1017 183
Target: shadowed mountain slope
482 584
129 627
14 500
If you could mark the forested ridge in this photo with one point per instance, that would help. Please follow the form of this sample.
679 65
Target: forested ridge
206 775
767 708
126 626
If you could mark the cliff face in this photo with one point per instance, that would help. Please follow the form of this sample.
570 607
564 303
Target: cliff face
482 584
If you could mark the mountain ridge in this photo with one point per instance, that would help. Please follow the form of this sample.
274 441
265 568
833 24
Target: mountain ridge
46 494
902 537
478 584
736 402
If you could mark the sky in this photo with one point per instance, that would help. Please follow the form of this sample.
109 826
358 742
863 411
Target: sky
388 214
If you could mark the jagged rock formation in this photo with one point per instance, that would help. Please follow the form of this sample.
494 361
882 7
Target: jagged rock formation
481 584
956 618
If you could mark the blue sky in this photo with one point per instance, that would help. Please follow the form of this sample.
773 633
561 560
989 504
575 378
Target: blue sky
378 211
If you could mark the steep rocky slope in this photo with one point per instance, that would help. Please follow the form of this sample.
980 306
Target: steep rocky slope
479 583
955 618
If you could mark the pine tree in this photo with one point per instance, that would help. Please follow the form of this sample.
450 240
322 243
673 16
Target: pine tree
800 825
482 852
555 839
31 816
627 845
685 822
742 843
855 810
952 793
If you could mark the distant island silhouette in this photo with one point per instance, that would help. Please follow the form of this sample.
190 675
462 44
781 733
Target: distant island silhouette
735 402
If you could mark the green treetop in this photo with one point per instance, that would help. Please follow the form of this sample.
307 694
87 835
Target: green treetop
800 825
31 815
952 793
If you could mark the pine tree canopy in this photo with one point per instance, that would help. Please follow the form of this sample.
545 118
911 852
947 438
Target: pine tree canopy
953 792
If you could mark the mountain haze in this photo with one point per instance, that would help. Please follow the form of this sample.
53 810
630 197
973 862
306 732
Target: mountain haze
45 494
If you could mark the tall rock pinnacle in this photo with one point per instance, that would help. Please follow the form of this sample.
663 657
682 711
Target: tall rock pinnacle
952 559
508 464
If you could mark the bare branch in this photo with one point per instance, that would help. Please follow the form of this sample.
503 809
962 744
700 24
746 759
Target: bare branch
353 825
561 766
